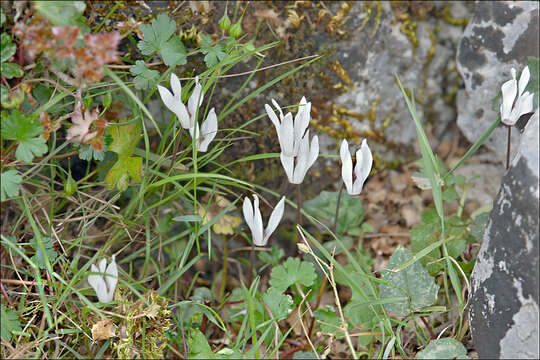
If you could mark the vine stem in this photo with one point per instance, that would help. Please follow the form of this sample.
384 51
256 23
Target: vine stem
337 207
508 148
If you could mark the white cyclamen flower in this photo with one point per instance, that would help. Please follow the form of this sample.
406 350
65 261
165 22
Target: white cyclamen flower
297 155
512 108
105 284
207 132
253 218
354 180
174 101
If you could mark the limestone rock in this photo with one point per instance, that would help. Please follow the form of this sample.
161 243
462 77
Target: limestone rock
504 282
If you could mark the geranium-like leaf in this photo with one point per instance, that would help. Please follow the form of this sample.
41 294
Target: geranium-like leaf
413 284
173 52
9 184
144 77
291 272
39 257
9 322
279 304
156 34
213 53
24 129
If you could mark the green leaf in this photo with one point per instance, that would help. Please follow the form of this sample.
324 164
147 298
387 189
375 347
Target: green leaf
61 13
9 322
213 53
155 35
450 194
87 152
144 77
24 128
11 70
173 52
329 321
421 237
4 94
9 181
446 348
273 257
124 138
279 304
351 212
7 48
414 282
122 170
291 272
534 82
198 345
39 258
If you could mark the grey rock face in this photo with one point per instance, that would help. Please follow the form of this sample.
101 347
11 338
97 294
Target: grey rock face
372 57
504 282
501 35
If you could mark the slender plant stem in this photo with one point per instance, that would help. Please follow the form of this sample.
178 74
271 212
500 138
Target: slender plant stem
337 207
299 204
508 148
251 263
224 269
428 327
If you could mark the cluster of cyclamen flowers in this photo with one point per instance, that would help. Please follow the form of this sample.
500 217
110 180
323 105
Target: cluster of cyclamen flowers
297 156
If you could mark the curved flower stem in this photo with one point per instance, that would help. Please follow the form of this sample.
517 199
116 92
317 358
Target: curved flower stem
508 148
299 204
224 269
251 263
337 207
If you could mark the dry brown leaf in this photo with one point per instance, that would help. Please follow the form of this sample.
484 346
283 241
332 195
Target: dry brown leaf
103 330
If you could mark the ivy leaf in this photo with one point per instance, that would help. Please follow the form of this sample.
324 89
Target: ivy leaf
39 257
155 35
7 48
61 13
446 348
213 53
9 322
414 283
11 70
122 170
124 138
24 128
421 237
351 212
279 304
173 52
144 77
292 271
10 181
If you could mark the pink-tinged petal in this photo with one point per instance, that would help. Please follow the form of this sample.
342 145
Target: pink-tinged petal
288 165
195 100
286 136
176 87
278 108
209 130
524 80
347 166
509 91
257 223
274 220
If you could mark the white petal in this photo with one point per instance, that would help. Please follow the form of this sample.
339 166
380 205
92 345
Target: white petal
301 121
347 166
278 108
112 278
209 130
247 209
367 161
524 80
257 223
526 103
102 266
195 100
175 105
272 115
302 159
509 91
288 165
313 151
274 220
176 87
286 135
195 132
